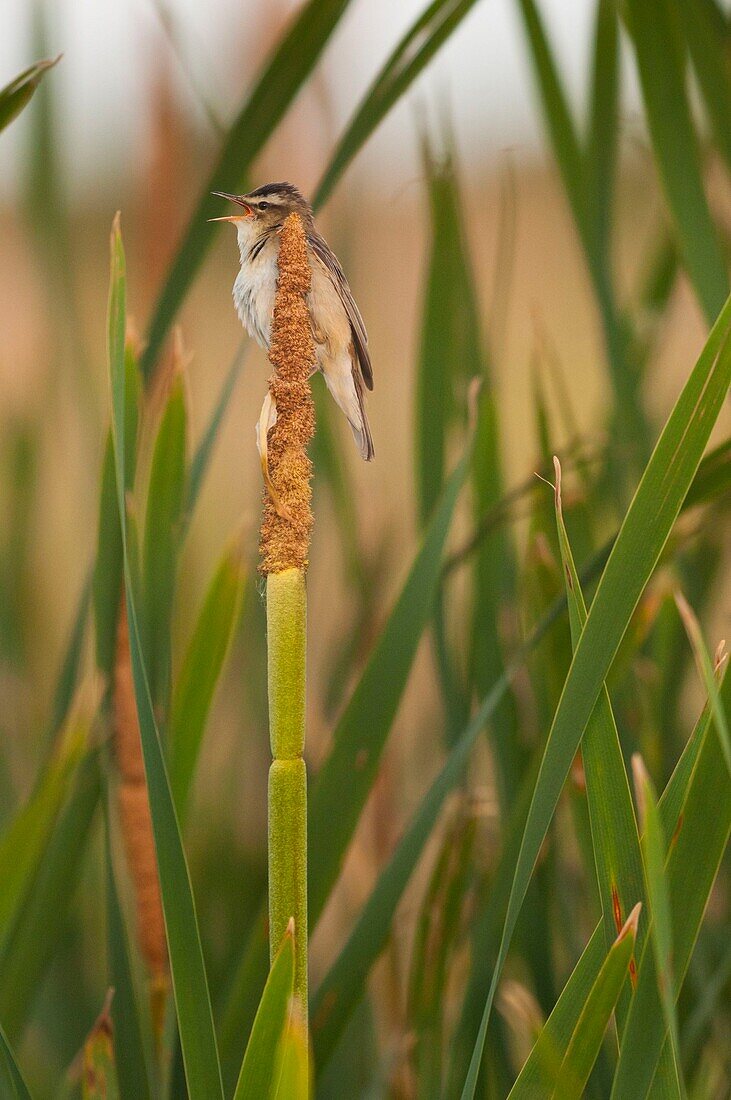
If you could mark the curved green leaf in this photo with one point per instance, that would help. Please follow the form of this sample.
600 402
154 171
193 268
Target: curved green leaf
640 542
655 33
24 841
698 842
190 987
555 1034
11 1079
40 920
270 1023
343 783
292 1072
18 93
412 54
592 1023
200 671
163 522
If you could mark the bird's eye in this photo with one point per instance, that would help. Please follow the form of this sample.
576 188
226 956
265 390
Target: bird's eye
264 205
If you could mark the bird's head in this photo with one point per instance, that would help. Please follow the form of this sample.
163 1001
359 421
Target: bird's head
266 207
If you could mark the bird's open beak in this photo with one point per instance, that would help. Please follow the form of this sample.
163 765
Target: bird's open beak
247 210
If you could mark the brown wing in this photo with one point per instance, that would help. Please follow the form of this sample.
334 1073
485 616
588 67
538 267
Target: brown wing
330 262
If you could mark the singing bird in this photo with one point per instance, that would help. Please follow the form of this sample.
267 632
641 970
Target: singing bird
341 341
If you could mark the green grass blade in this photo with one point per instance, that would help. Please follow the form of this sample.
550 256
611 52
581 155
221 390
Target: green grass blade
579 172
40 921
344 984
435 397
640 542
654 31
12 1084
654 853
130 1053
292 1073
549 1050
415 50
192 998
280 81
19 92
601 151
345 779
713 480
707 673
561 126
201 670
163 522
438 929
592 1023
71 663
553 1040
108 568
707 35
615 838
25 839
698 842
258 1068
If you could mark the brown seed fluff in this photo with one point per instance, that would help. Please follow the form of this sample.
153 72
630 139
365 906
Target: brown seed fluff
134 811
285 539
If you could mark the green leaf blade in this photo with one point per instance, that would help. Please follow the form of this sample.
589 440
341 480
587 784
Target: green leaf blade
259 1065
595 1015
201 669
643 534
190 986
657 46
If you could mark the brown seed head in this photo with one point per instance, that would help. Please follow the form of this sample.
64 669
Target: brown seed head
134 810
285 537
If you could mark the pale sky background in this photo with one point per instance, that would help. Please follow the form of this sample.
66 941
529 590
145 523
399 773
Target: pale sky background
111 46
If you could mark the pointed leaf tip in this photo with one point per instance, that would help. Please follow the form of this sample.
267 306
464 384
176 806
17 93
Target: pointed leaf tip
557 486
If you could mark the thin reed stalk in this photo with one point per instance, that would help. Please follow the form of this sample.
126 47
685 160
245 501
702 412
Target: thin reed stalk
285 536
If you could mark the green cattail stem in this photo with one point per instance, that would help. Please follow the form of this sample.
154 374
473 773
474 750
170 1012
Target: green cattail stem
285 537
288 863
286 636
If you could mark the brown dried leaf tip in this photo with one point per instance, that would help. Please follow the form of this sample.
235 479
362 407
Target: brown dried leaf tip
136 822
287 521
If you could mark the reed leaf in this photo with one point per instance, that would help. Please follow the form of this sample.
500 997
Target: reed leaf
550 1046
164 516
414 51
656 36
192 999
11 1079
640 542
19 92
201 670
267 1032
697 847
586 1040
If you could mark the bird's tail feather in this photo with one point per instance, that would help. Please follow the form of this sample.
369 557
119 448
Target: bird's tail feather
362 430
349 393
